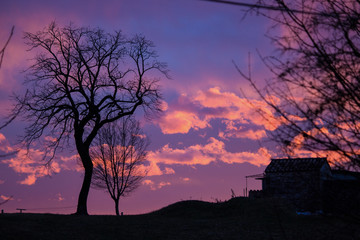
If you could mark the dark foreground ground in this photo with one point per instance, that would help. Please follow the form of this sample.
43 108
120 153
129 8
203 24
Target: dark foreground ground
238 218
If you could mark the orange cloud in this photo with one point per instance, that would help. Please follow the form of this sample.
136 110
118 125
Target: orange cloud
234 131
298 141
3 197
59 197
29 180
30 162
153 186
181 122
2 137
213 151
186 179
197 110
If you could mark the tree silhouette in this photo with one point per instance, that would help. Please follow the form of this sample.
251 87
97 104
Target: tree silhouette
82 79
2 51
118 158
315 91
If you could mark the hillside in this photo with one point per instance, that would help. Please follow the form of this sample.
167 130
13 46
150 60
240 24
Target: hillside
238 218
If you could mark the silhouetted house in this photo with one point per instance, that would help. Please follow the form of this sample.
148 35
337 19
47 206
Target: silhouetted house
310 184
299 180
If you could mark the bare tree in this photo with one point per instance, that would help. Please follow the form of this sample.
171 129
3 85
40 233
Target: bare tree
315 91
2 51
118 158
82 79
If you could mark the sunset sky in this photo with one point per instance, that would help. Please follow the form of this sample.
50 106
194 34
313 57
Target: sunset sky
208 139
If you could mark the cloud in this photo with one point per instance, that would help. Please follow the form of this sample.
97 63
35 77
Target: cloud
237 131
163 184
3 197
197 110
2 138
29 180
169 171
155 186
59 197
185 179
70 163
296 147
30 162
213 151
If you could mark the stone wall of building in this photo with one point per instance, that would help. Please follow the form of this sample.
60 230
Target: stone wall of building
302 189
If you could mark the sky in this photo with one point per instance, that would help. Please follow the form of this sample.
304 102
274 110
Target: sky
206 141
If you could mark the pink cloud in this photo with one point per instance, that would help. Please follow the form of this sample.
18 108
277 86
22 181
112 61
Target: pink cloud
237 131
297 148
185 179
30 162
213 151
155 186
169 171
29 180
59 197
181 122
163 184
197 110
71 163
3 197
2 138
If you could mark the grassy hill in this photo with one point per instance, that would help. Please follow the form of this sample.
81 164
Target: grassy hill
238 218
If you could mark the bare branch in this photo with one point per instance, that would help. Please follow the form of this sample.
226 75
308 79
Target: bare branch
2 51
316 78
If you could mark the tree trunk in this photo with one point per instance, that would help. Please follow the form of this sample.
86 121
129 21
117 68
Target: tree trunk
116 206
84 192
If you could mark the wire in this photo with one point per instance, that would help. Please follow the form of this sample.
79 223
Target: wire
51 208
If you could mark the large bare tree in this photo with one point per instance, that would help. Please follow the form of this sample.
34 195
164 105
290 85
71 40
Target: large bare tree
82 79
118 157
315 91
315 88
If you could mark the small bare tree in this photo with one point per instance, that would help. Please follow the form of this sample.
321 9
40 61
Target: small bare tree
118 158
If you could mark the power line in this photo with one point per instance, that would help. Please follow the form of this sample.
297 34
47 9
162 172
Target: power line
268 7
48 208
51 208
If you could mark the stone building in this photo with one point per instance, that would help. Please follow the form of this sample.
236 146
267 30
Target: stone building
310 184
299 180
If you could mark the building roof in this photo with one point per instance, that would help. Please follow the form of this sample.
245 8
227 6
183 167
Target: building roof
295 165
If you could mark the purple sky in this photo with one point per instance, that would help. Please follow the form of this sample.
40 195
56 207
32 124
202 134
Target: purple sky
208 139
